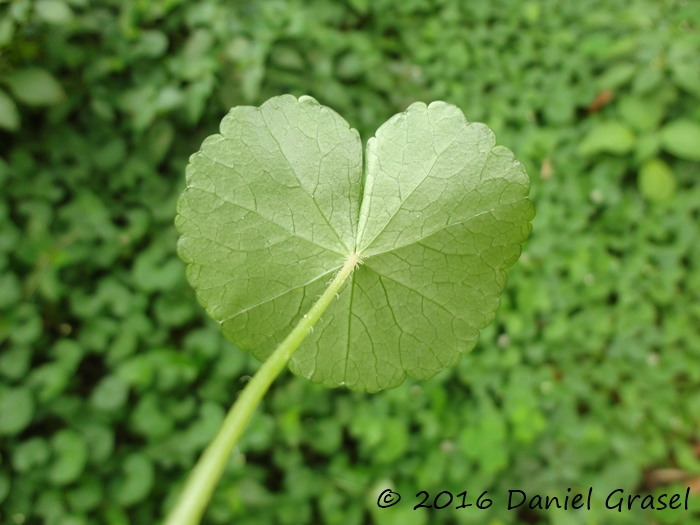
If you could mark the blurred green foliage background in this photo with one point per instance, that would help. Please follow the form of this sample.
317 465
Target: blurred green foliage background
112 379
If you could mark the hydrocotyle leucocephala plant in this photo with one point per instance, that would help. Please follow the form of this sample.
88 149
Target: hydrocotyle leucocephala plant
403 251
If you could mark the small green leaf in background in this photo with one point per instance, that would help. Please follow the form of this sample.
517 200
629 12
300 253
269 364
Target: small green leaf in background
110 394
16 410
4 486
50 506
15 361
617 75
607 137
682 139
87 495
149 420
395 441
483 441
7 30
152 44
647 79
687 76
158 140
100 442
656 180
71 454
272 210
30 454
9 116
137 482
53 11
10 287
647 146
686 457
641 113
110 155
35 87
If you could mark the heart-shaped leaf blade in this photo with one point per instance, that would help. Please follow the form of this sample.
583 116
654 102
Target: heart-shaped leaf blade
277 202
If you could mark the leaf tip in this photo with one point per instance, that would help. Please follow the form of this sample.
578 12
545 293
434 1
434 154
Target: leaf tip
306 99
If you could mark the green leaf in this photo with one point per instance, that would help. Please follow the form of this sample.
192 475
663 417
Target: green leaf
16 410
35 87
277 203
9 116
110 394
110 155
14 363
53 11
50 506
138 480
647 79
87 496
395 442
647 146
616 76
485 441
609 137
4 486
100 442
158 140
71 456
682 139
30 454
7 30
641 113
152 44
147 419
687 76
656 180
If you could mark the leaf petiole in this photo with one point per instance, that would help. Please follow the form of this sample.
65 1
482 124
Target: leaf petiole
205 476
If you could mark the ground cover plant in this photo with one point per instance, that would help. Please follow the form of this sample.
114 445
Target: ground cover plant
112 378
